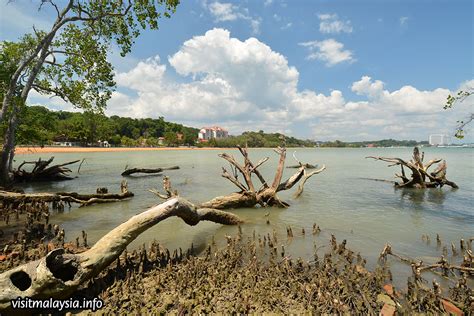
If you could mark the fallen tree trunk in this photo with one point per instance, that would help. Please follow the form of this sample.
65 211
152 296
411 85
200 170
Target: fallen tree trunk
42 171
59 274
71 197
419 170
131 171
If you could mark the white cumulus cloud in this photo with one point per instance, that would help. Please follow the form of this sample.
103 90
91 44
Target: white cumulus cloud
245 85
330 23
223 11
226 11
267 2
329 51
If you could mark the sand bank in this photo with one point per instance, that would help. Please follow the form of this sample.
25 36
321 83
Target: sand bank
39 150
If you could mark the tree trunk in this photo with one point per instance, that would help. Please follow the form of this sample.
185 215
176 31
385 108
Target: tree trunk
8 150
83 199
233 200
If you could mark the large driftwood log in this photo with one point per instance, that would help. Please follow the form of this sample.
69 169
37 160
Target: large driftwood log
131 171
250 195
70 197
59 274
42 171
420 177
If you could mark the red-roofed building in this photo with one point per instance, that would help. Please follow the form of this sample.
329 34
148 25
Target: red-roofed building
207 133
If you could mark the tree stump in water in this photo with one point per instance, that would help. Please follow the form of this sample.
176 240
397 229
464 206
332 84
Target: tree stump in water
250 195
42 171
420 177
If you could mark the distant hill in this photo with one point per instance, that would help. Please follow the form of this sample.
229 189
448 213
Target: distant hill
259 139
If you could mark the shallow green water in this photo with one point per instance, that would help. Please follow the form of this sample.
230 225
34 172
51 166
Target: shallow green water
366 213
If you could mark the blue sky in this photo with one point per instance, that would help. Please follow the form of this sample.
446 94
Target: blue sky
350 70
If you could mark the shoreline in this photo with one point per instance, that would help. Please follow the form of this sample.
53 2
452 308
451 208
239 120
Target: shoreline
51 149
25 150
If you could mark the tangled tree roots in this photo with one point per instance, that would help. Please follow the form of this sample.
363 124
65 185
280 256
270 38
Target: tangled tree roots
42 171
420 173
250 195
59 274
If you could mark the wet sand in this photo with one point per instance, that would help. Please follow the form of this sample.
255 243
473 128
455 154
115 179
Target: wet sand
41 150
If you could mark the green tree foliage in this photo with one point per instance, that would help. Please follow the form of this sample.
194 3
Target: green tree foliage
37 126
70 60
460 97
41 126
260 139
171 138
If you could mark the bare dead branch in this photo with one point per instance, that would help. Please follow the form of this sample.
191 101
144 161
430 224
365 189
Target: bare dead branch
306 176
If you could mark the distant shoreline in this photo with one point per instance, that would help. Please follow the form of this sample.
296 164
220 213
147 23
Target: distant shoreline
19 150
42 150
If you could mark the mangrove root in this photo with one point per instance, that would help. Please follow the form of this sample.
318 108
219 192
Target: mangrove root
420 177
59 274
467 266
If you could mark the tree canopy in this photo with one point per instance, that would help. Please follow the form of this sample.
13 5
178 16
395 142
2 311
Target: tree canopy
40 126
70 59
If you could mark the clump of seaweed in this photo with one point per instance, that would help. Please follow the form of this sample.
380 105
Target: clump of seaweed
255 275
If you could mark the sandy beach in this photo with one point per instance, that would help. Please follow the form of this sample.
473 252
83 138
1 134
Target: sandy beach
39 150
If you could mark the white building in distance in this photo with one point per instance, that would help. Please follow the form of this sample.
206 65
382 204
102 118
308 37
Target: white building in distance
207 133
439 140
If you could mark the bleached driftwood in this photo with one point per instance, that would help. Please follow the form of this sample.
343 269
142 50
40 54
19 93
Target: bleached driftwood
70 197
420 177
250 195
59 274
